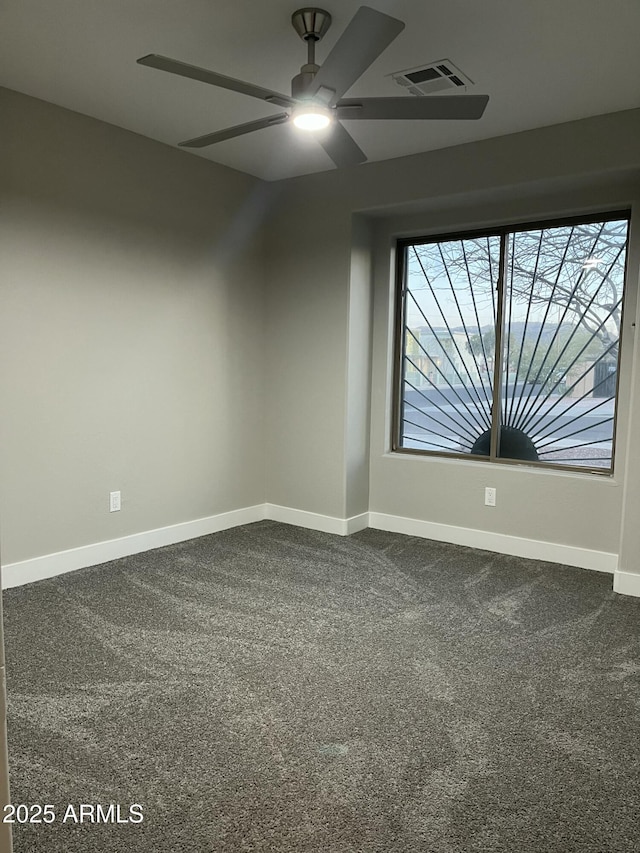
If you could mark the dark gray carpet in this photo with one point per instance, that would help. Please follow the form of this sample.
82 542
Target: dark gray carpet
276 689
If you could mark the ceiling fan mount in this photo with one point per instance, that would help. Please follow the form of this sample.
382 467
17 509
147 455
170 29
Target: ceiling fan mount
310 23
318 89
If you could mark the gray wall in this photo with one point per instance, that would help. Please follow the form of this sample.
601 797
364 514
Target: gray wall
131 333
204 341
313 408
308 267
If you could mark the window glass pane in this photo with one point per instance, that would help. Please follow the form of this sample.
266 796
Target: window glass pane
563 304
448 344
550 333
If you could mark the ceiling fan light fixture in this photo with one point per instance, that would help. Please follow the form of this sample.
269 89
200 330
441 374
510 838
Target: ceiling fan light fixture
311 117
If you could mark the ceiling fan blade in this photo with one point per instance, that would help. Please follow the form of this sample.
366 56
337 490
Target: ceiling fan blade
448 107
231 132
366 36
183 69
341 146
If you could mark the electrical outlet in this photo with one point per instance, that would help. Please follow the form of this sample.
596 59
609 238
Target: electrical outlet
114 501
489 497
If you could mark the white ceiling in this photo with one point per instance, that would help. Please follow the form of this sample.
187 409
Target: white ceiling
541 61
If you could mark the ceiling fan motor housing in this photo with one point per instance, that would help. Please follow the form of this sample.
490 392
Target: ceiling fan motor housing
302 81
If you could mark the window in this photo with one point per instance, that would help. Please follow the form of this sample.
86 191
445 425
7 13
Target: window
508 343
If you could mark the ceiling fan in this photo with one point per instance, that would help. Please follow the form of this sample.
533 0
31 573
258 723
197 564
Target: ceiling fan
316 101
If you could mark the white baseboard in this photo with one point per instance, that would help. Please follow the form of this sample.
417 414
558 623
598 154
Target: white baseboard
316 521
38 568
16 574
517 546
357 523
626 583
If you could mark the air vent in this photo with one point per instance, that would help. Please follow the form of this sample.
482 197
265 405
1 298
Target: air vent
434 77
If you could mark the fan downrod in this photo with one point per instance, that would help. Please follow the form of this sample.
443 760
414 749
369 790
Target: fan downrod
311 24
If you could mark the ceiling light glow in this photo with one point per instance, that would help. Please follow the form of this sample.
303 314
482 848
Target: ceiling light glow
311 117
